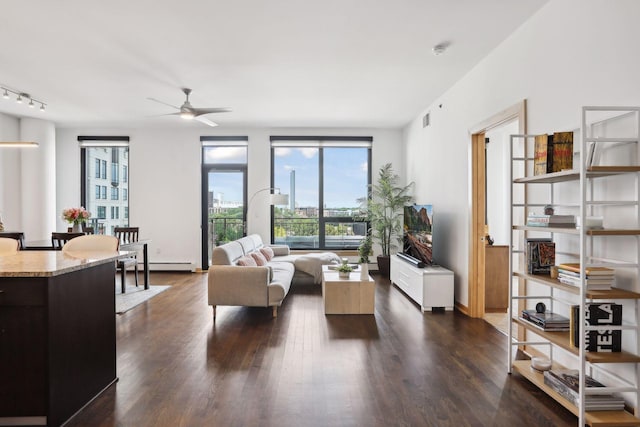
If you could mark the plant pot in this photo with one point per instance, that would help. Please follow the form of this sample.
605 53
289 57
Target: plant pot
384 262
343 275
76 227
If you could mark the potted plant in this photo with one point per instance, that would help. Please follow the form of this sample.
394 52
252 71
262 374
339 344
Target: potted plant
344 270
383 208
364 250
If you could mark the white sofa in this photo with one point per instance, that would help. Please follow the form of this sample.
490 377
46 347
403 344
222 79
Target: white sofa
260 286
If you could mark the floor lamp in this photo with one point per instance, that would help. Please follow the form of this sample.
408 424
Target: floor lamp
275 199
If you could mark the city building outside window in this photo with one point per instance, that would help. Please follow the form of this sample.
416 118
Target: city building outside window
105 158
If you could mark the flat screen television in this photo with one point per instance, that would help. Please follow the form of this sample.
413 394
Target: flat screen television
417 239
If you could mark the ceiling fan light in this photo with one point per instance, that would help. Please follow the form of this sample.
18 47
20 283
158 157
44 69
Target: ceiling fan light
187 115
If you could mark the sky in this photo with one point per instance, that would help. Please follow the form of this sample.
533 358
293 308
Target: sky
345 177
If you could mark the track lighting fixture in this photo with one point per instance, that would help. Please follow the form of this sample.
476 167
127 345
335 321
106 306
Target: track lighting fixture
20 96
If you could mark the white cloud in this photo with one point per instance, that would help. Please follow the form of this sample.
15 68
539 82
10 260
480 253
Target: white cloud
282 152
288 167
364 167
308 152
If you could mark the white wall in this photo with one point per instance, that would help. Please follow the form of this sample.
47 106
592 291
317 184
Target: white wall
27 177
569 54
165 179
10 195
498 181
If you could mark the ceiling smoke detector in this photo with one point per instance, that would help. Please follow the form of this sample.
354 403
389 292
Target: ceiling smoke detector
439 48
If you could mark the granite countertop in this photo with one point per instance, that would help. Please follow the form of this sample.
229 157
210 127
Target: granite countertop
53 263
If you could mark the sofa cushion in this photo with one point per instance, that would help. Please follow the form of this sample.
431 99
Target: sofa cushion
226 254
248 244
267 252
281 281
247 261
258 258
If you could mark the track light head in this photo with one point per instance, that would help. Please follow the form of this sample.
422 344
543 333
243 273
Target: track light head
19 99
5 95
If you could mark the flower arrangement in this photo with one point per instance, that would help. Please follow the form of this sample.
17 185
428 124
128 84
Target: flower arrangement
75 215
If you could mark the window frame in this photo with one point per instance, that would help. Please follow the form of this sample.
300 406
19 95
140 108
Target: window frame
321 142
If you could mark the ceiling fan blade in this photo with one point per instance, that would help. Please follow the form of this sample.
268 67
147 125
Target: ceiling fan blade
163 103
205 121
201 111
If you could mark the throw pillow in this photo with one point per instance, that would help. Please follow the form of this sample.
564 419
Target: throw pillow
259 258
267 252
246 261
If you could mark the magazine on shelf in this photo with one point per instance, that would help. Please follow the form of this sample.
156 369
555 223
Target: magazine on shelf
566 383
546 321
597 314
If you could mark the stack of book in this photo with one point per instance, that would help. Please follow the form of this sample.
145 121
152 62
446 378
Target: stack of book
567 383
596 278
565 221
546 321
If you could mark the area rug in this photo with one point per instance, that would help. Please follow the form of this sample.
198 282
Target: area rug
135 296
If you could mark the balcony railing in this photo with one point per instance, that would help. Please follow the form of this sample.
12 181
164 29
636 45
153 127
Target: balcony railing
297 233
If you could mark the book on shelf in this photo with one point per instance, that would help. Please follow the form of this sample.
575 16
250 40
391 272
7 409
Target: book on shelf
534 220
598 314
540 255
562 151
566 382
589 271
543 154
597 284
546 321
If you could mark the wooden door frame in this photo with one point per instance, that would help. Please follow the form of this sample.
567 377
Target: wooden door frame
477 196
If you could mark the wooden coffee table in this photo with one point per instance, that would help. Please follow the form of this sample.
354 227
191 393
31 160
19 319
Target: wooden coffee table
347 296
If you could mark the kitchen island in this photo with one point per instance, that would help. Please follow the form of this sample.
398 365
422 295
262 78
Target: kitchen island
57 333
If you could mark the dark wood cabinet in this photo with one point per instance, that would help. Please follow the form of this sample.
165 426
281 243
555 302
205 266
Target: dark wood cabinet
57 343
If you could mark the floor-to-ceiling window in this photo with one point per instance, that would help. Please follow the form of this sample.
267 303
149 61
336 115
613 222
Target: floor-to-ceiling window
224 184
325 177
104 181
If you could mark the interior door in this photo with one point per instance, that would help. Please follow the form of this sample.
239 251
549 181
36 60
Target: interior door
224 207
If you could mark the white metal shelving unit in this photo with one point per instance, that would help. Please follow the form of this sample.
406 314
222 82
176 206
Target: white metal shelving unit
586 176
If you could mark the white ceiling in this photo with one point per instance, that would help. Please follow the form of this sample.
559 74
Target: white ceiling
277 63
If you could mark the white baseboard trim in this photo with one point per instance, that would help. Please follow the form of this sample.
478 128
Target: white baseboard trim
172 266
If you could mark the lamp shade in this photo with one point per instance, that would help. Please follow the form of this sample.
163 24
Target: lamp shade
279 199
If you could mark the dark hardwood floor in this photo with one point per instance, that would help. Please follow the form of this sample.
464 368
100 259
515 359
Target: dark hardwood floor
399 367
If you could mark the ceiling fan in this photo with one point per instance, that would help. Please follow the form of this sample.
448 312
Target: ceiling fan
188 112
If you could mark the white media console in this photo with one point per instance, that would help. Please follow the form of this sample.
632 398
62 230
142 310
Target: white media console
430 287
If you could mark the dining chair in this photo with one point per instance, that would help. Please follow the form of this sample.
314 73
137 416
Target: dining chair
58 240
92 243
18 235
127 235
8 246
